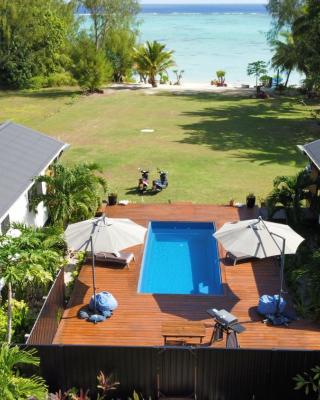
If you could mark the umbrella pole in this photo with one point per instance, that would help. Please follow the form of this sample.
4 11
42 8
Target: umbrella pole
282 255
93 275
282 265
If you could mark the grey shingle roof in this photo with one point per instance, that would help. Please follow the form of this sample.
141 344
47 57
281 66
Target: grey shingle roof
24 153
313 152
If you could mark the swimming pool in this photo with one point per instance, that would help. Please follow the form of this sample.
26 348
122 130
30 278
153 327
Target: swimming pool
180 258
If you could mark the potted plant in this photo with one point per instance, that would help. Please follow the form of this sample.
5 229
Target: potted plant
251 200
112 198
263 202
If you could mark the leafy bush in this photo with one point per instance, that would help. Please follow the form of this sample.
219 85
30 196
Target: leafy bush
266 80
61 79
73 193
303 278
22 321
90 66
13 386
38 82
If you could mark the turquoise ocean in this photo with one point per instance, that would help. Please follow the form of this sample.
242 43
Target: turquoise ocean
206 38
209 37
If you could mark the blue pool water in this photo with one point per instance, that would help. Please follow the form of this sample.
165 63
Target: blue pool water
180 258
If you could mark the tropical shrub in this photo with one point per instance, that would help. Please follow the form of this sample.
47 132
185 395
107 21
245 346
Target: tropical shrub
257 69
13 386
119 51
90 67
164 78
309 381
73 193
179 75
303 278
26 256
221 77
265 80
21 321
34 40
289 192
60 79
285 56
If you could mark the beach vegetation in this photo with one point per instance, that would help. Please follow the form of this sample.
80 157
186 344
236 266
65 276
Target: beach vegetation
90 67
109 16
119 44
284 13
295 39
164 78
73 193
306 34
266 80
221 75
179 75
34 39
151 59
13 385
257 69
285 57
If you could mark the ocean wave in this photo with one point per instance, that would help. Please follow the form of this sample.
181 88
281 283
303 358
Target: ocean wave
201 13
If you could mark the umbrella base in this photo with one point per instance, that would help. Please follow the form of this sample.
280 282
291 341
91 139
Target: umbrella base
277 319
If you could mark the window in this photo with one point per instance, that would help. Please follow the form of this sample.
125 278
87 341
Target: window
39 188
5 225
36 189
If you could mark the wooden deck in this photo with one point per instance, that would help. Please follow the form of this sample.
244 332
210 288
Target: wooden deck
139 317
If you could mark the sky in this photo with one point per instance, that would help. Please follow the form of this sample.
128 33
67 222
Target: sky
203 1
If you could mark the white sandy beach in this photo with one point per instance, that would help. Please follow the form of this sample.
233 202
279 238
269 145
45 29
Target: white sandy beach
184 87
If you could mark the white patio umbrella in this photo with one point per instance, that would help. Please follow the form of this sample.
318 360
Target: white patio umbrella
103 234
259 238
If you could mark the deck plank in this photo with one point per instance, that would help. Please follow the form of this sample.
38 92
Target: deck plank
139 317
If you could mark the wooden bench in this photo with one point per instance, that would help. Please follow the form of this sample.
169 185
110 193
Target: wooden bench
183 333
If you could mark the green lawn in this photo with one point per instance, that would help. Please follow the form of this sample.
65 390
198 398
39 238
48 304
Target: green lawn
214 146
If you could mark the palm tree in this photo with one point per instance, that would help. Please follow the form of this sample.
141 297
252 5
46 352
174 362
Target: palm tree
12 385
152 59
26 257
289 192
285 54
73 193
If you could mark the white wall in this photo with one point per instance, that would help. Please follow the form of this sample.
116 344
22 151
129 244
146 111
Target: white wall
19 212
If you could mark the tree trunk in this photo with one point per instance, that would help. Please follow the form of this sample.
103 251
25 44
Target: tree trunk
9 313
288 76
153 81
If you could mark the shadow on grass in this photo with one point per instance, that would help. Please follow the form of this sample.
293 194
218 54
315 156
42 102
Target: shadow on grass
134 191
41 94
263 131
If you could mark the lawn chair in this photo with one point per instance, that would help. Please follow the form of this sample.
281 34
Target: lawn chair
235 257
120 259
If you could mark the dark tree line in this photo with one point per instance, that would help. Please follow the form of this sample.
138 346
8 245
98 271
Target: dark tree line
295 38
43 42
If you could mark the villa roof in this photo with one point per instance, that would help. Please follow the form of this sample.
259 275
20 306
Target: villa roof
312 150
24 154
